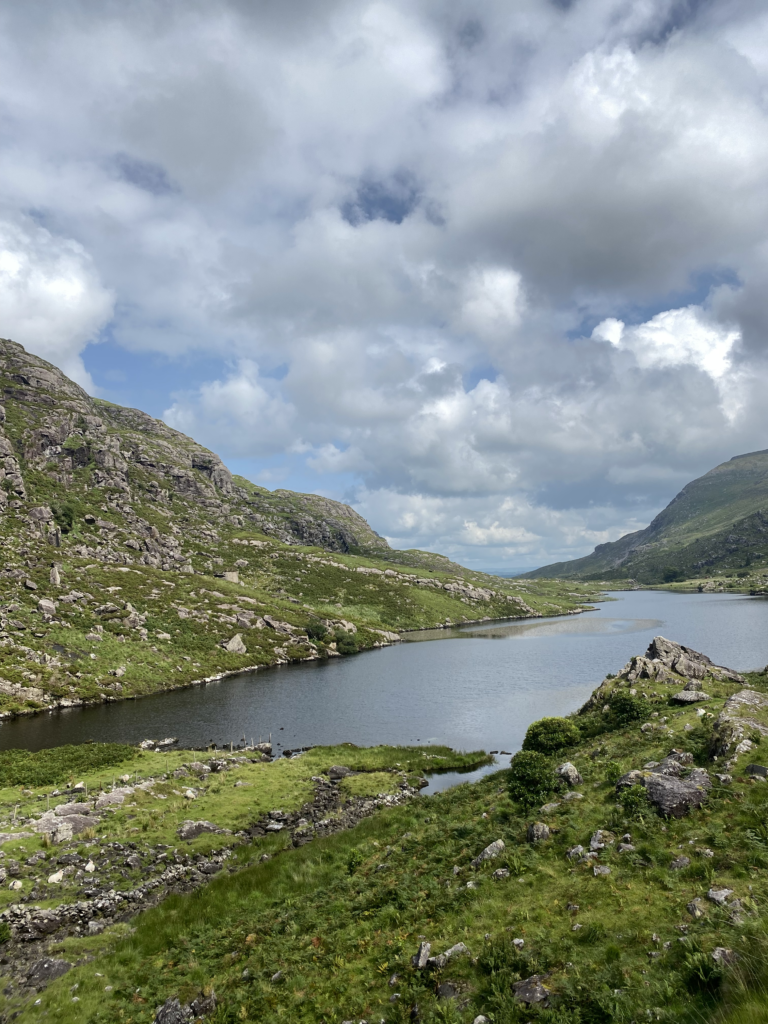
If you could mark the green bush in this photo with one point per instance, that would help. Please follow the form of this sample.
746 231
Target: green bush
354 860
701 972
5 932
625 708
531 778
551 734
634 801
613 772
316 630
64 515
346 643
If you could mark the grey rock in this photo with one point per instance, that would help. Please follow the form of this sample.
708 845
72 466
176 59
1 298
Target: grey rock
489 853
690 696
339 771
518 943
192 829
575 852
719 896
447 990
625 848
573 795
172 1012
757 769
235 645
203 1004
675 797
569 774
500 873
46 970
438 962
548 808
420 958
601 869
537 832
601 838
724 956
679 863
531 991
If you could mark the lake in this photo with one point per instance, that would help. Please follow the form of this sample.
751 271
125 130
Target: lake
471 688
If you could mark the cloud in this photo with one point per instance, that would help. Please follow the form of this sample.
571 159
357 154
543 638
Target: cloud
51 299
241 413
676 337
496 275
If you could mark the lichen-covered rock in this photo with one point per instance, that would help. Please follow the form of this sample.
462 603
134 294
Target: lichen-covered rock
489 853
569 774
537 832
532 991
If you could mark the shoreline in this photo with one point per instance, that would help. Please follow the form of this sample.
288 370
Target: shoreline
68 703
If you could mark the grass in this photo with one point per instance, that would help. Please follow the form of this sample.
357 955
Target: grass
340 917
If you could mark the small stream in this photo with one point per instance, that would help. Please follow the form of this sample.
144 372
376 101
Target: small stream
474 687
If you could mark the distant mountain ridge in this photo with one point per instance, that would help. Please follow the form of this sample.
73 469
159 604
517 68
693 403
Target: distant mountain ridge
717 523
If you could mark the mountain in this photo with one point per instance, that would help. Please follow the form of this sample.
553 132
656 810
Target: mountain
134 561
717 525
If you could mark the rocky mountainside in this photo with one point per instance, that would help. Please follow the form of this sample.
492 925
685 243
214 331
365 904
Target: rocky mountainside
133 560
717 524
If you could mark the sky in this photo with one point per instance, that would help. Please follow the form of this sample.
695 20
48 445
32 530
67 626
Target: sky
494 274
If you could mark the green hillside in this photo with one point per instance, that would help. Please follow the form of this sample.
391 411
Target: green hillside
717 524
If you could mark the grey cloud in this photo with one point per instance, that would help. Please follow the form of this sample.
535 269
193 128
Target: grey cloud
382 197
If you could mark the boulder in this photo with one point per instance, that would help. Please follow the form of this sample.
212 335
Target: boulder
438 962
339 771
489 853
172 1012
675 797
420 958
690 696
719 896
235 645
696 908
45 971
679 863
537 832
601 838
191 829
569 774
532 991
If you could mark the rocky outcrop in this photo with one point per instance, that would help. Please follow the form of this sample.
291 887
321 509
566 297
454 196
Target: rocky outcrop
742 714
672 785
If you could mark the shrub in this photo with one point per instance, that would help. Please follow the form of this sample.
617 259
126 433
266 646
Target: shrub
551 734
316 630
701 972
634 801
625 708
613 772
346 643
531 778
5 932
354 860
64 515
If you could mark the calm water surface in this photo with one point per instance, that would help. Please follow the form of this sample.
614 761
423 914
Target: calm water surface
472 688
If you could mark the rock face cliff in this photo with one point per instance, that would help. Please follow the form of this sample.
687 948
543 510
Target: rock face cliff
69 442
